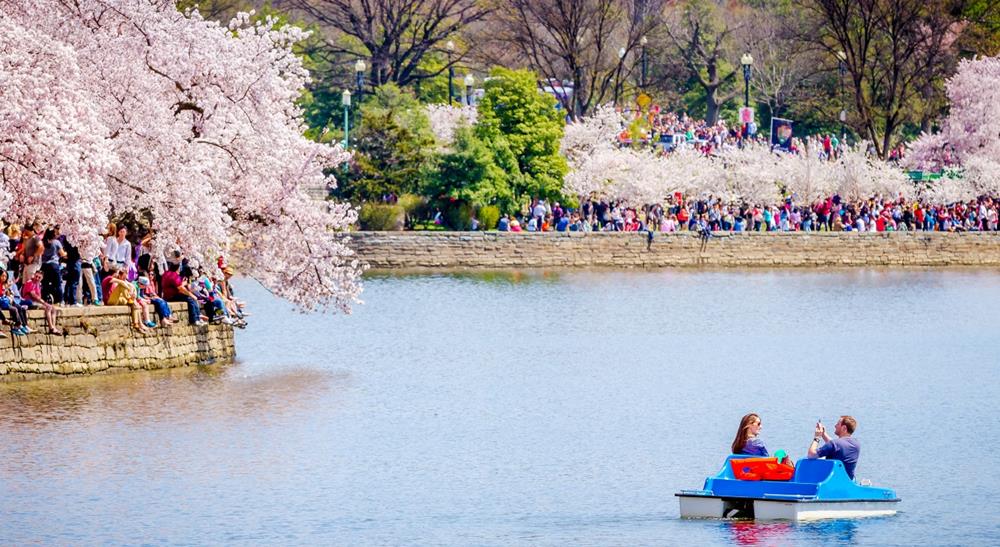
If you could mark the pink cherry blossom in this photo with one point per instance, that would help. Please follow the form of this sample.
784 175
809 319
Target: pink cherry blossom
970 134
445 119
113 106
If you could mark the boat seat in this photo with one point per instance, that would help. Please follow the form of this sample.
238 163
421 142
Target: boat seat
814 471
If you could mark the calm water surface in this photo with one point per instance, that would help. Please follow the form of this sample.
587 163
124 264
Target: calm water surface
525 409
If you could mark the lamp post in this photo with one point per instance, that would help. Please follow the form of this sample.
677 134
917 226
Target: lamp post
451 72
345 101
747 62
842 69
469 82
642 83
359 78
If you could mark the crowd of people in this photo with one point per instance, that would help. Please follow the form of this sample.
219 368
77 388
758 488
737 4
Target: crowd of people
676 214
671 130
46 271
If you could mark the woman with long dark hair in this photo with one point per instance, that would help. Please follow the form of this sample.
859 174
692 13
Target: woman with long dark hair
51 270
747 442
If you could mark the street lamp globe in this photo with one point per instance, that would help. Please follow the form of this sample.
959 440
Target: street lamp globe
643 41
450 45
469 80
345 98
746 60
360 66
621 53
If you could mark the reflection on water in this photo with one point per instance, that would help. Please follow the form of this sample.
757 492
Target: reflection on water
182 395
498 277
522 408
831 532
745 532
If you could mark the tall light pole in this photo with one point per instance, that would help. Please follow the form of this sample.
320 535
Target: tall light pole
469 82
643 41
345 101
842 69
359 78
747 62
451 72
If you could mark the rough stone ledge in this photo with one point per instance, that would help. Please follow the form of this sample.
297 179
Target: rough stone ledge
500 250
100 340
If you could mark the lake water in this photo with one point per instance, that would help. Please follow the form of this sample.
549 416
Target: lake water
527 409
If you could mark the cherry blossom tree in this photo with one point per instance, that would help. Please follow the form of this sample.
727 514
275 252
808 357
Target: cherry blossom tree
751 175
129 106
584 136
445 119
861 176
807 177
54 158
970 135
949 189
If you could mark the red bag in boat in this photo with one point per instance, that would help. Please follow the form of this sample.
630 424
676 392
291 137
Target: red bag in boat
761 469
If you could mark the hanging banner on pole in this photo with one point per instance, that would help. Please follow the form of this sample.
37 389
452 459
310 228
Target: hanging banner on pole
781 133
746 115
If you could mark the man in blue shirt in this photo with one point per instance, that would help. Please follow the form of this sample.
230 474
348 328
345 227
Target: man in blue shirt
844 448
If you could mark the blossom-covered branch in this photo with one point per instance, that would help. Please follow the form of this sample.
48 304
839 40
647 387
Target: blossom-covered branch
100 98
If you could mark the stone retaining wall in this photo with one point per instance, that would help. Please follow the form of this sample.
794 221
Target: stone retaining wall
497 250
101 339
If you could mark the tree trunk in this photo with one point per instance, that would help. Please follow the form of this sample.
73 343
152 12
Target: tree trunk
712 106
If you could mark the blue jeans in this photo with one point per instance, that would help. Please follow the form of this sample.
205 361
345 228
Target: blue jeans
51 283
72 281
96 274
194 311
161 306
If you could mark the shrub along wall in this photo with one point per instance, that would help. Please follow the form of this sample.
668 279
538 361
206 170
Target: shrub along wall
96 340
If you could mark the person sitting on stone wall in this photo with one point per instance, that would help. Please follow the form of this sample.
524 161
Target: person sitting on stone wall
147 295
10 301
175 289
204 290
123 293
31 296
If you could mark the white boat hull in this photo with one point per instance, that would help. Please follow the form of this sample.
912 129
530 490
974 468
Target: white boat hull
817 510
717 507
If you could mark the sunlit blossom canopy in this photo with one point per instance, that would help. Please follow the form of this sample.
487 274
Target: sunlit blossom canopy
129 106
753 174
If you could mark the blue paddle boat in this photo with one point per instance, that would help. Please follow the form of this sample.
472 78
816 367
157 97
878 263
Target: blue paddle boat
818 489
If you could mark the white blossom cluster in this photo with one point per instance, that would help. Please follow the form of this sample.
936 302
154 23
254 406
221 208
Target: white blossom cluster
970 136
114 106
752 174
445 119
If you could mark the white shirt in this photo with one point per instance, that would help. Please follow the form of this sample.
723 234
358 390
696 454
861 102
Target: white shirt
110 248
123 254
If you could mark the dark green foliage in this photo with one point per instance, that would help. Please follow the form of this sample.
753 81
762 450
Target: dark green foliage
380 217
488 216
414 207
470 173
523 128
458 216
392 146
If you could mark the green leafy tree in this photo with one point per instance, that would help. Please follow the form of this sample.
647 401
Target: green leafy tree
523 128
392 146
469 173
